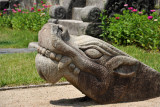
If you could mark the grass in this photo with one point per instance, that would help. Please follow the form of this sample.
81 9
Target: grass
152 59
19 68
10 38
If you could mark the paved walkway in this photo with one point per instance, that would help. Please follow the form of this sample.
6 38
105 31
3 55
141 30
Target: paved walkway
14 50
59 96
31 48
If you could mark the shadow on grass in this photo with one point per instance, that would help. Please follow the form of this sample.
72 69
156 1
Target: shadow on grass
75 102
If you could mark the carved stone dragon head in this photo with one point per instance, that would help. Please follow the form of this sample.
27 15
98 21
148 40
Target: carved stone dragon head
99 70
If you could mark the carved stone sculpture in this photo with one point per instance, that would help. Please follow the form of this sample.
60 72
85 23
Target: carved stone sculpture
81 17
99 70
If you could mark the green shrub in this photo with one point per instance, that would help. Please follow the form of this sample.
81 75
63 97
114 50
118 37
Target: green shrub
32 19
132 28
5 21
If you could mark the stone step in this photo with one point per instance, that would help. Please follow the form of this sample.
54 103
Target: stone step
99 3
77 27
76 13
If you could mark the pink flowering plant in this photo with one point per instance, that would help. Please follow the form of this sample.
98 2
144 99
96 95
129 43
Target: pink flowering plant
133 27
32 19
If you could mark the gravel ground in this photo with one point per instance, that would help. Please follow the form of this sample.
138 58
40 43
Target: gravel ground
59 96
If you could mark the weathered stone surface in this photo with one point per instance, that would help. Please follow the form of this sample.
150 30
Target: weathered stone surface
76 13
97 3
76 27
57 12
70 4
99 70
90 14
33 45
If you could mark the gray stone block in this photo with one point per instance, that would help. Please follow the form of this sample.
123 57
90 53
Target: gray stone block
57 12
98 3
90 14
76 13
76 27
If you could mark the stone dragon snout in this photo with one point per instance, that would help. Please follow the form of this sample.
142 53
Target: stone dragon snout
95 67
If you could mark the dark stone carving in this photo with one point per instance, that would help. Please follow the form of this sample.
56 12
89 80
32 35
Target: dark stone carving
99 70
4 4
116 6
69 4
94 29
57 12
90 14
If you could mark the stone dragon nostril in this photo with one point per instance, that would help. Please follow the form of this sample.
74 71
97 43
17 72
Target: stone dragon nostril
76 71
59 31
72 66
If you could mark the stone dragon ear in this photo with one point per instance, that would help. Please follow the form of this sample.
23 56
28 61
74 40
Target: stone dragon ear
124 66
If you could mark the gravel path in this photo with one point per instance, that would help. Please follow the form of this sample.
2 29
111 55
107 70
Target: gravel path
59 96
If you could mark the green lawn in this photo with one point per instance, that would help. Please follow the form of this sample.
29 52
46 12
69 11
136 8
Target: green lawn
19 68
10 38
150 58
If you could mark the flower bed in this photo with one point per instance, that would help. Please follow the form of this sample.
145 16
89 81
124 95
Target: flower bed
32 19
133 27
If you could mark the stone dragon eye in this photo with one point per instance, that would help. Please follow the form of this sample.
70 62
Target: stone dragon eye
93 53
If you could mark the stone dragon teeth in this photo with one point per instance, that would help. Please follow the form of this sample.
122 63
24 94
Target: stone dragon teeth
63 61
52 56
58 57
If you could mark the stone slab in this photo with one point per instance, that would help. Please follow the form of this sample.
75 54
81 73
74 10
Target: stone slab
76 13
99 3
77 27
